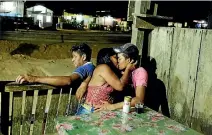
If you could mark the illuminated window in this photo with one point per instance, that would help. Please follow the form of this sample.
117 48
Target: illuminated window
48 19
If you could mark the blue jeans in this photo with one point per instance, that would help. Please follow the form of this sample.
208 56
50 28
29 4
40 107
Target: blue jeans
83 110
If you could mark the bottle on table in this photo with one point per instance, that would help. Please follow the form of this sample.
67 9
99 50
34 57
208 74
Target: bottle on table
127 102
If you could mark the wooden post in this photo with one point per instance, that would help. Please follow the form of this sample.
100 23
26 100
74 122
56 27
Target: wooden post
155 10
142 26
131 9
10 113
140 7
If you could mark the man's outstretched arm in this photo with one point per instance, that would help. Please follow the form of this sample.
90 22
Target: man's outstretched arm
51 80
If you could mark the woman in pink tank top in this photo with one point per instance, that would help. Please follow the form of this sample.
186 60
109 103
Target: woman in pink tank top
104 80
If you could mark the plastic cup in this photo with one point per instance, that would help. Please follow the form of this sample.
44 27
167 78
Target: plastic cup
139 108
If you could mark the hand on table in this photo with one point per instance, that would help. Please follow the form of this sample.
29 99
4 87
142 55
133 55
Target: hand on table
105 106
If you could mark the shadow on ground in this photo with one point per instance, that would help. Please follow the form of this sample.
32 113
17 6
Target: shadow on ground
25 49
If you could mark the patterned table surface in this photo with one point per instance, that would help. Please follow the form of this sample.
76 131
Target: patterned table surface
118 123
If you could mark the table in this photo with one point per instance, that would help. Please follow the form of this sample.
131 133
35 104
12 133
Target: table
118 123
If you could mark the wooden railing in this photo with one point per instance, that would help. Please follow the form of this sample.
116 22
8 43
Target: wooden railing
34 107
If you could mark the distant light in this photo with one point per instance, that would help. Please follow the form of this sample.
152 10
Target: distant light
109 18
204 25
79 18
170 23
8 6
199 21
185 24
69 17
202 21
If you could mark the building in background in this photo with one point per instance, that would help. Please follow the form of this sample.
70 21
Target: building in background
176 24
201 24
102 20
43 17
12 9
78 18
105 21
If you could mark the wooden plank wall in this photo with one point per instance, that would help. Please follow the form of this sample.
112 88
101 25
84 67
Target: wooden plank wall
202 109
183 58
160 50
159 64
183 68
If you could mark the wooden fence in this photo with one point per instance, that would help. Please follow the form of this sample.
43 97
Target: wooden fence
184 62
33 108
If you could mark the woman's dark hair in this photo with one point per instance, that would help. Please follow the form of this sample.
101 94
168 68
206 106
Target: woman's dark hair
81 49
103 57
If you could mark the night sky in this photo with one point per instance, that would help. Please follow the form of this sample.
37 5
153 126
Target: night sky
177 9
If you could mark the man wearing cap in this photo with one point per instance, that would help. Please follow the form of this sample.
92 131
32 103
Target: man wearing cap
139 76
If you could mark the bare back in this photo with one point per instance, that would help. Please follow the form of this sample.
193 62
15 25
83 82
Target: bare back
104 74
97 79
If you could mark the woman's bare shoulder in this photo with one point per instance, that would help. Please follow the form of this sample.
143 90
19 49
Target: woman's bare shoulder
102 67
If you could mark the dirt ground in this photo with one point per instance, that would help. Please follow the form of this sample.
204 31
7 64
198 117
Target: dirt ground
38 57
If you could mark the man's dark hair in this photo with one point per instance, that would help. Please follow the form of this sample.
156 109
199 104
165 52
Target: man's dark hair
82 49
132 53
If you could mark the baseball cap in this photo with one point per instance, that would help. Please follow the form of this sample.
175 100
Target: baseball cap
123 48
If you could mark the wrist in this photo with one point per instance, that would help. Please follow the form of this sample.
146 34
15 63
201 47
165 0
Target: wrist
127 70
113 106
118 105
